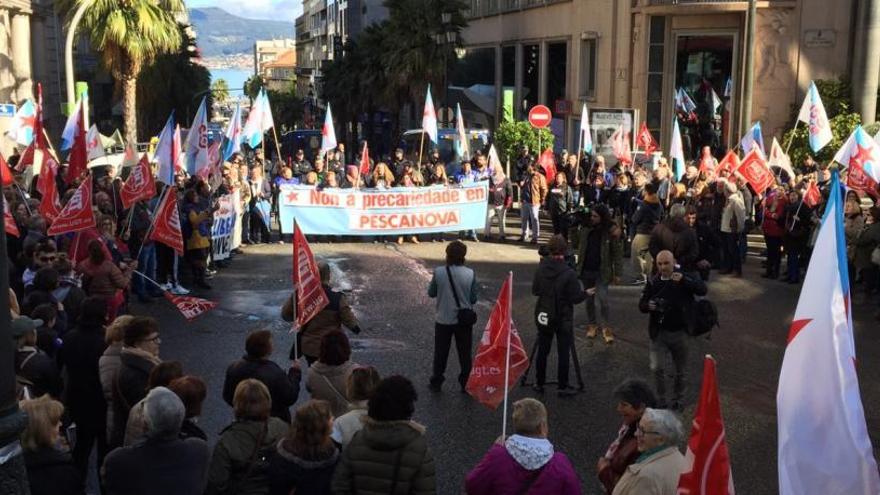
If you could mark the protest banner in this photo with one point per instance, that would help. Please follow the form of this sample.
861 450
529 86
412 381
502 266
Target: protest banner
395 211
223 227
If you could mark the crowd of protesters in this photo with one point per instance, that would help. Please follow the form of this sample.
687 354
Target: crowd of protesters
105 410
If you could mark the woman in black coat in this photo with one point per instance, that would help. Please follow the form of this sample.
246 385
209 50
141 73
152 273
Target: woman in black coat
50 468
305 459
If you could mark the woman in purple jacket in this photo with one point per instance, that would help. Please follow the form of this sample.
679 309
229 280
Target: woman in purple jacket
525 463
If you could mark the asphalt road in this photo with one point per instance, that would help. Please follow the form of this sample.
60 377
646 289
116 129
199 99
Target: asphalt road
387 285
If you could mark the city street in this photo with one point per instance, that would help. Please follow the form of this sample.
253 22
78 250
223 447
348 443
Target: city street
387 286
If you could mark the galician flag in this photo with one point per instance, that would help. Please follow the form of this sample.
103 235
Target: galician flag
429 117
328 133
69 132
676 151
94 147
259 120
232 143
824 446
861 155
165 155
197 141
813 114
752 139
461 143
24 123
587 143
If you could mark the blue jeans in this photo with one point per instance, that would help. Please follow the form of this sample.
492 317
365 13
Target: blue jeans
147 266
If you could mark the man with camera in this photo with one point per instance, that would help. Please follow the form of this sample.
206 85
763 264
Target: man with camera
558 289
669 298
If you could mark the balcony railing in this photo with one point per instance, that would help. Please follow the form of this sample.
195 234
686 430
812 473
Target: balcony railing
694 2
485 8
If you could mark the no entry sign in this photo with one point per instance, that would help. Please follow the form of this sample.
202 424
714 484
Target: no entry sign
540 116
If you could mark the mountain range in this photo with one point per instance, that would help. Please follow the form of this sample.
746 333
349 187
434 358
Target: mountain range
221 33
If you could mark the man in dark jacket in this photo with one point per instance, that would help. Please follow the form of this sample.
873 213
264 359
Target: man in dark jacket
140 354
673 234
283 387
33 367
558 289
83 396
163 463
390 455
646 217
669 298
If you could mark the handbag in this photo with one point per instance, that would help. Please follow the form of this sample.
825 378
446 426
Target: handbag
875 256
466 316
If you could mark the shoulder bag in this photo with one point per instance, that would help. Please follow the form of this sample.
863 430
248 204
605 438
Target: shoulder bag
466 316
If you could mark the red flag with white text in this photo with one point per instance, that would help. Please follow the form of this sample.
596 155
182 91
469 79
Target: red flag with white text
166 224
812 196
365 161
756 172
50 206
78 158
728 164
77 213
310 295
139 185
500 346
645 140
190 307
547 162
708 471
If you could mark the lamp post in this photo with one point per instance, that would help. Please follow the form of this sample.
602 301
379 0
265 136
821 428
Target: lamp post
445 39
68 51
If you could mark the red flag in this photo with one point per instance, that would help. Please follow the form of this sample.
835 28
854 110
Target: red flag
620 146
77 213
5 174
755 171
645 140
190 307
166 224
729 163
310 295
365 161
499 347
50 206
812 196
78 158
140 184
709 472
9 220
547 162
39 135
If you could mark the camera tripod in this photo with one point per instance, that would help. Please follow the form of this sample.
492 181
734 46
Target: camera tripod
523 382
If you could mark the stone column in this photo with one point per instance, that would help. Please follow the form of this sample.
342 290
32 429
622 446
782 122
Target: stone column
7 82
21 56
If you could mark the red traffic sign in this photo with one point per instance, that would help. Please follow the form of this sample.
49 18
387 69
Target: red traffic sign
540 116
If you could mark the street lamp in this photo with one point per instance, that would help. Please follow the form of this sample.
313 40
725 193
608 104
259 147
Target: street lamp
68 51
445 39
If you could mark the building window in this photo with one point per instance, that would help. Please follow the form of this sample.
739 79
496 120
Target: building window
588 69
656 50
530 69
557 71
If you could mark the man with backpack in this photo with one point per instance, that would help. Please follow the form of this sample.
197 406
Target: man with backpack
669 299
558 289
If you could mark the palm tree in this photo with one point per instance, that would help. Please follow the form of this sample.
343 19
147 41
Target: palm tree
220 90
129 34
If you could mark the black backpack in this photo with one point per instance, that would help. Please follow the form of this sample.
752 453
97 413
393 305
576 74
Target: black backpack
705 317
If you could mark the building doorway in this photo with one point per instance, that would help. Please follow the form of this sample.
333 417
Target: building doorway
704 72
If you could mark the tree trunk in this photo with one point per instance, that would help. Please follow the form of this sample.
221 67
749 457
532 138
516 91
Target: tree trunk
129 107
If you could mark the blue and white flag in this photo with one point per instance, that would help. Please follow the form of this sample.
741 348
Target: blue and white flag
429 117
232 142
328 133
462 146
23 124
197 141
164 155
70 127
753 138
259 120
813 114
586 135
676 151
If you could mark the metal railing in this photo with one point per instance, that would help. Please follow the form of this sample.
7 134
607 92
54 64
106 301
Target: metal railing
485 8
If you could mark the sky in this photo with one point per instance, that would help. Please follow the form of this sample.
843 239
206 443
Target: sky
273 10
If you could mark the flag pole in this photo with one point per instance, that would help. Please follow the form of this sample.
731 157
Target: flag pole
152 220
797 212
293 306
421 146
791 139
507 357
277 146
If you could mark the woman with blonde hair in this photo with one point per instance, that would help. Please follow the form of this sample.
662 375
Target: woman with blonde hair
382 177
236 465
305 459
49 465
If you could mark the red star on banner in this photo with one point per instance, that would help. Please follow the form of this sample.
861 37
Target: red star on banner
862 156
291 197
796 327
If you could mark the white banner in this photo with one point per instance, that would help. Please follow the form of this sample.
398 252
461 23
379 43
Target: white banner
223 228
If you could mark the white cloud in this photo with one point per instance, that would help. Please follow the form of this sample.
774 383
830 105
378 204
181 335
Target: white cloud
275 10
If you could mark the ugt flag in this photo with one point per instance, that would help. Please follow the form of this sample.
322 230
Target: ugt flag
676 151
197 141
190 307
328 133
232 144
753 138
77 213
78 158
139 185
310 295
501 356
823 440
50 206
813 114
645 140
166 222
585 131
708 461
429 117
861 155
